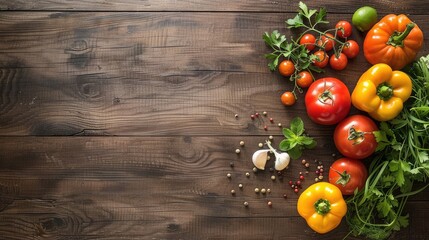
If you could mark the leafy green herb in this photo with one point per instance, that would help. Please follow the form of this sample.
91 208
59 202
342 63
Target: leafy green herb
401 160
295 141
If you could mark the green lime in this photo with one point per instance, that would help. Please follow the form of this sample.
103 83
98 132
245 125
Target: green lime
364 18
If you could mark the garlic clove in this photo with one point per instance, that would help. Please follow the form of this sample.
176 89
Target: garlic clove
260 158
282 161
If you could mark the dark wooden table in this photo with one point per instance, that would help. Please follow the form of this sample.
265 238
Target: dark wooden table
117 119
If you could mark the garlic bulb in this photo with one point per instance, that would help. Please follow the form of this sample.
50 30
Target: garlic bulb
282 159
260 158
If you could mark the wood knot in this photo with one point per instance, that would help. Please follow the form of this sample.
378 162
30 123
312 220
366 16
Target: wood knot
89 85
81 52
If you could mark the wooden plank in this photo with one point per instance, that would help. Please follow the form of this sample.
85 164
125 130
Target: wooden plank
144 73
152 187
347 6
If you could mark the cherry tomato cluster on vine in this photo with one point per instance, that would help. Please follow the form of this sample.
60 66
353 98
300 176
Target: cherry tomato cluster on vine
343 50
326 49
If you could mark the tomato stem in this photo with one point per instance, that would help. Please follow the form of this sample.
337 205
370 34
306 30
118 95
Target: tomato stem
344 177
357 136
397 38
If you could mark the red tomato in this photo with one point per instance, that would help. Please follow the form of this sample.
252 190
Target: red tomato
286 68
354 137
351 49
308 40
322 60
304 79
348 174
338 63
344 29
326 41
288 98
327 101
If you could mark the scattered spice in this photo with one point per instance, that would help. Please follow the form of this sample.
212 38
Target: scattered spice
260 145
228 175
231 164
240 185
307 165
256 190
263 190
241 143
236 115
237 151
265 128
264 113
270 203
252 117
246 204
271 137
247 174
273 177
268 190
271 120
232 191
279 124
285 196
255 169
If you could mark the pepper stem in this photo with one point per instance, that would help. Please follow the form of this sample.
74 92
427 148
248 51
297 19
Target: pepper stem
397 38
322 206
384 91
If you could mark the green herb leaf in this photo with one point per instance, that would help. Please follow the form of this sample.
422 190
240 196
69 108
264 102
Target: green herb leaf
383 208
297 126
320 16
295 142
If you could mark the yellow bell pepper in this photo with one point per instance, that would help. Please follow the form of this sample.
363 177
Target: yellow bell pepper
381 92
322 206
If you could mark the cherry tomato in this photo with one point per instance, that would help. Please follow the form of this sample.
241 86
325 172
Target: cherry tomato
327 101
351 49
354 137
286 68
348 174
322 60
288 98
344 29
338 63
326 41
304 79
308 40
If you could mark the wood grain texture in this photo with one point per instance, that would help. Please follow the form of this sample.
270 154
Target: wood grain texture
144 73
117 120
151 187
346 6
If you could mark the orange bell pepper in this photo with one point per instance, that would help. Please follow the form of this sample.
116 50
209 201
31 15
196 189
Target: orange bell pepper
394 40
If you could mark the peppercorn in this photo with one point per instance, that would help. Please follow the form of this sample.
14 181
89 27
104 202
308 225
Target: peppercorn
241 143
231 164
303 161
279 124
232 191
298 183
237 151
271 137
265 128
236 115
301 177
321 170
290 183
240 185
285 196
268 190
270 203
263 190
271 169
260 145
228 175
257 114
255 169
246 204
252 116
307 165
273 177
264 113
256 190
247 174
320 177
316 179
296 190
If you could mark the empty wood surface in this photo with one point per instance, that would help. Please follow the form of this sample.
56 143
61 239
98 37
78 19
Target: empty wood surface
117 119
